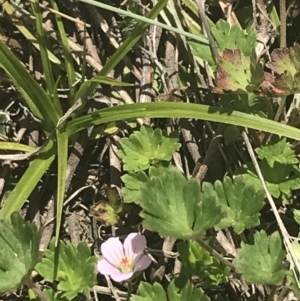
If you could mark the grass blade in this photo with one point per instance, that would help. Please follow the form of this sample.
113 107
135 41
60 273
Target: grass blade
147 19
69 66
14 146
62 156
36 98
29 180
47 68
181 110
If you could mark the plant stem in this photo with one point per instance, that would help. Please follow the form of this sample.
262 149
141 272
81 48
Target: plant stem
129 290
39 293
215 254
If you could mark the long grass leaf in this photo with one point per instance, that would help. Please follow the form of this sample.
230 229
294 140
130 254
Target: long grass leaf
14 146
62 156
181 110
47 68
147 19
36 98
69 65
29 180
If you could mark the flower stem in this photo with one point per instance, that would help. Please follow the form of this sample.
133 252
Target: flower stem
129 291
215 254
37 290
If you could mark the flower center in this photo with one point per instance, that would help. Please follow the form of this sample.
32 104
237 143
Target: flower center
125 265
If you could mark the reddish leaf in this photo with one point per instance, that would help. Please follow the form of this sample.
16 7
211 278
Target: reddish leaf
285 62
236 73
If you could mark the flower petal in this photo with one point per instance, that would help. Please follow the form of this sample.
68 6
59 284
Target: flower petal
134 245
105 268
112 251
121 277
143 263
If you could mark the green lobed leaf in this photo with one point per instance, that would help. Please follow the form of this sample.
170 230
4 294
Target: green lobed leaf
202 53
148 292
133 181
285 59
198 262
53 296
75 270
279 166
146 147
239 200
285 63
235 72
173 206
279 181
277 151
19 251
232 37
261 263
186 293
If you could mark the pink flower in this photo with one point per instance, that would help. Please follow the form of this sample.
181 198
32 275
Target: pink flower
119 261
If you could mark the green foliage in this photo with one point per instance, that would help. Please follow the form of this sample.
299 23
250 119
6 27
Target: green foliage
36 98
42 106
186 293
173 205
54 296
134 180
146 147
19 252
198 262
233 37
285 63
231 134
148 292
227 38
239 200
237 73
278 165
277 151
75 270
261 263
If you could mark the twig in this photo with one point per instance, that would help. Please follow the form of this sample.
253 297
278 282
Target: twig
106 291
167 246
60 14
282 8
284 232
163 253
215 254
212 43
112 289
37 290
